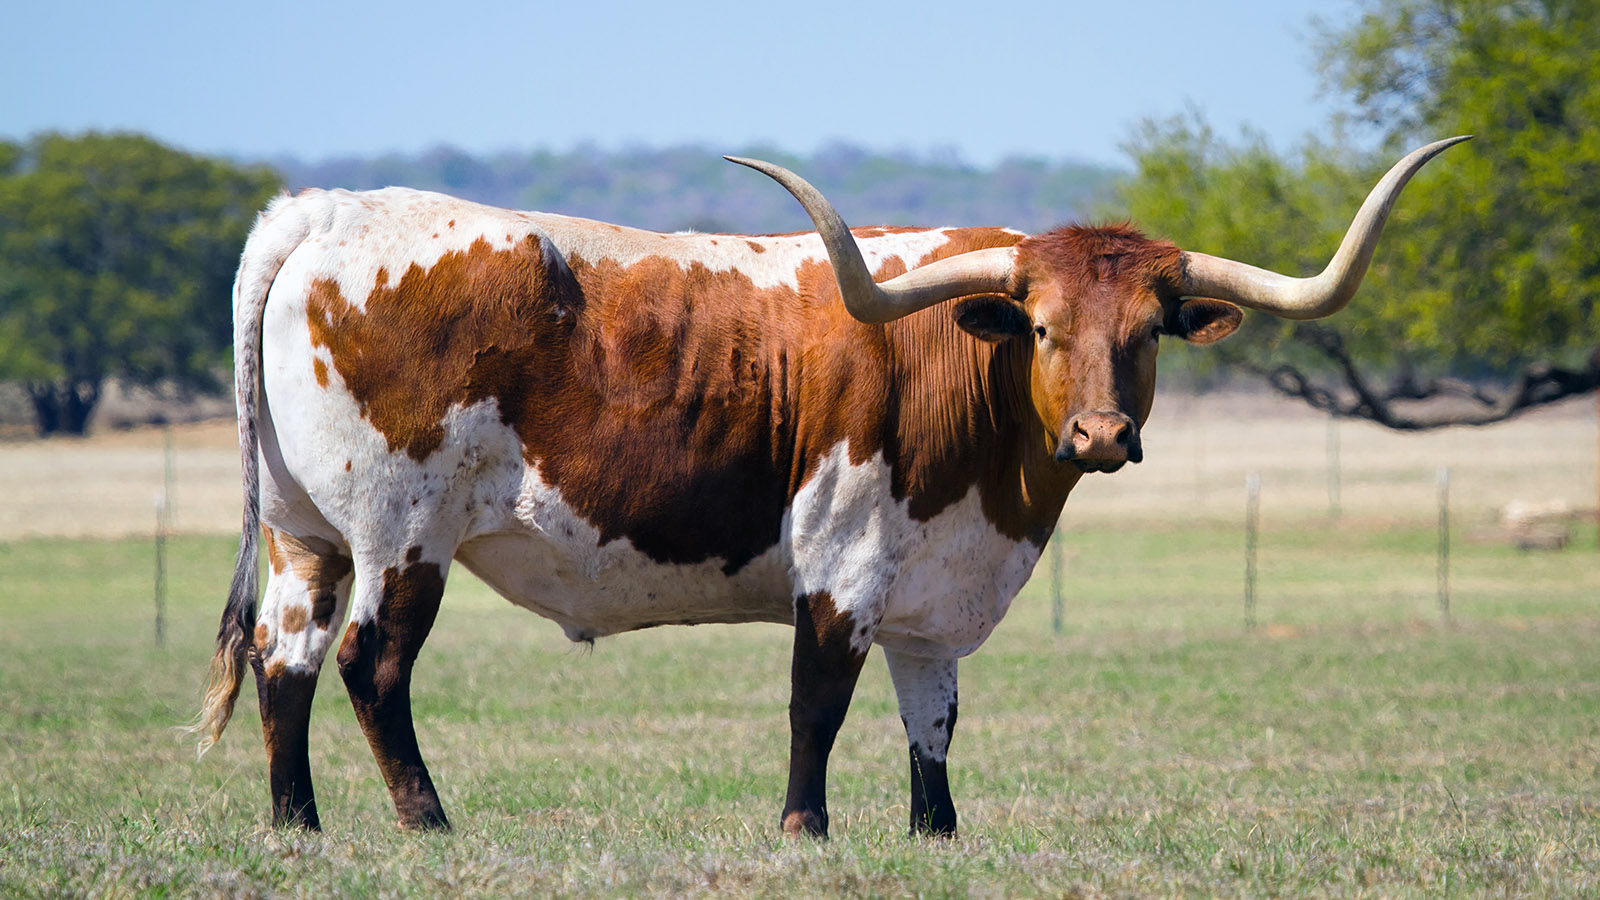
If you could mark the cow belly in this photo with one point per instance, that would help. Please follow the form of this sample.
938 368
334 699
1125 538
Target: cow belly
553 562
936 587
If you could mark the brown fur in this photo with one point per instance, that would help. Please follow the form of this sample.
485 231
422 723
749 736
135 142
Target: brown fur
451 312
285 699
294 620
1104 288
375 661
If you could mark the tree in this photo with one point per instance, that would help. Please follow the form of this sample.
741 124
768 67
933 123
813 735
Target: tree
1483 294
116 257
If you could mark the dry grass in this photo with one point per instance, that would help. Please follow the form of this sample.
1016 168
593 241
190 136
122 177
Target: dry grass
1356 748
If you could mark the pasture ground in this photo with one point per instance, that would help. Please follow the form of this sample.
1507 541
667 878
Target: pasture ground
1353 745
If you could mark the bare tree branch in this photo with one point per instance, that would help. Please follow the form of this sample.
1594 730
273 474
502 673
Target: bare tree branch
1358 397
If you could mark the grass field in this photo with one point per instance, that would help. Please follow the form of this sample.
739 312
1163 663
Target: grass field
1352 746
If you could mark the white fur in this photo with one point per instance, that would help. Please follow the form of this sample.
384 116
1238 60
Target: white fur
394 228
926 690
300 651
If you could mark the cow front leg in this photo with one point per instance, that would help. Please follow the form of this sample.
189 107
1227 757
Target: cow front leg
308 582
375 659
828 652
926 689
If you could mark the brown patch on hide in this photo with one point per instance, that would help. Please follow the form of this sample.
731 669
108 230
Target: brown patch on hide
275 560
449 314
294 620
317 563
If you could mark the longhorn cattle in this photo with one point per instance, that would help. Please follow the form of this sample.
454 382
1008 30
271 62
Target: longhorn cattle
869 435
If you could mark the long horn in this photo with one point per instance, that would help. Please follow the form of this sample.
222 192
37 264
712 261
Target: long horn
1324 294
976 272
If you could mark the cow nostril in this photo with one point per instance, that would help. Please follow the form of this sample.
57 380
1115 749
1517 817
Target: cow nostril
1124 435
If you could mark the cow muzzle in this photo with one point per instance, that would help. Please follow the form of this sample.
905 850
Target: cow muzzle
1101 441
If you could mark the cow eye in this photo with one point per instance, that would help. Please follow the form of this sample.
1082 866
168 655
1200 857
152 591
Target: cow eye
1039 332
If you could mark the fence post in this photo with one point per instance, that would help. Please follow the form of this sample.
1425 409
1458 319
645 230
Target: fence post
1055 580
169 496
1252 516
1334 507
1443 479
163 526
161 568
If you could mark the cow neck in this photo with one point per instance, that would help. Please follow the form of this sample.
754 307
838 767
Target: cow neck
965 420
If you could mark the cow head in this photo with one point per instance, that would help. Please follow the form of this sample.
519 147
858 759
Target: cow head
1095 301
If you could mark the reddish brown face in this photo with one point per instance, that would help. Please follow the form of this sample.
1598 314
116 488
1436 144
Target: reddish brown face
1094 370
1097 302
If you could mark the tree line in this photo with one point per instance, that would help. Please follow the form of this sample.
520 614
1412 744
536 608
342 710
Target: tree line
693 188
117 252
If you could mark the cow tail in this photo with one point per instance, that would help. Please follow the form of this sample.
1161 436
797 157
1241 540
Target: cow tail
277 232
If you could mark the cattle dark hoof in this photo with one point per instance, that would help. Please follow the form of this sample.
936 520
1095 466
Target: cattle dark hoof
805 823
302 820
432 821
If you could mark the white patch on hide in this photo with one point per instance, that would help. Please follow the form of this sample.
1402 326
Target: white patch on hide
935 588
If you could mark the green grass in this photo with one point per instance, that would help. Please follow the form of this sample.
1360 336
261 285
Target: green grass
1352 746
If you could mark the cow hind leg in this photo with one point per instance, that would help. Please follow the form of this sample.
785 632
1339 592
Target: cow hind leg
824 670
308 583
393 612
926 689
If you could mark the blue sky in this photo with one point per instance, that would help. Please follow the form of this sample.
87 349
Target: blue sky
1056 79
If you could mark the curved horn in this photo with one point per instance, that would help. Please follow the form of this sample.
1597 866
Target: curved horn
1324 294
977 272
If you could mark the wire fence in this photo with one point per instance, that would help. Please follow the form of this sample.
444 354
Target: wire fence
1259 471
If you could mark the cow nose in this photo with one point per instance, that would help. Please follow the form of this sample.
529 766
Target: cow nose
1100 441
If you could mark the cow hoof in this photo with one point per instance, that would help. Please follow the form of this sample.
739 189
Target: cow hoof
430 822
805 823
297 823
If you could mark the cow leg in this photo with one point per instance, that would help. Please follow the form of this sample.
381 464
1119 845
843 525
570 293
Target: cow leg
388 624
926 689
308 582
828 653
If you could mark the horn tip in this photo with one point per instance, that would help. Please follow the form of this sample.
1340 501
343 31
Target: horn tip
1447 143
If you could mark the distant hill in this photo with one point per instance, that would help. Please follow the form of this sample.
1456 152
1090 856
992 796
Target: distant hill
692 187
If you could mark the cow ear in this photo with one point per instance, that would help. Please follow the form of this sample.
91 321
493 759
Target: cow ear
1199 320
991 318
